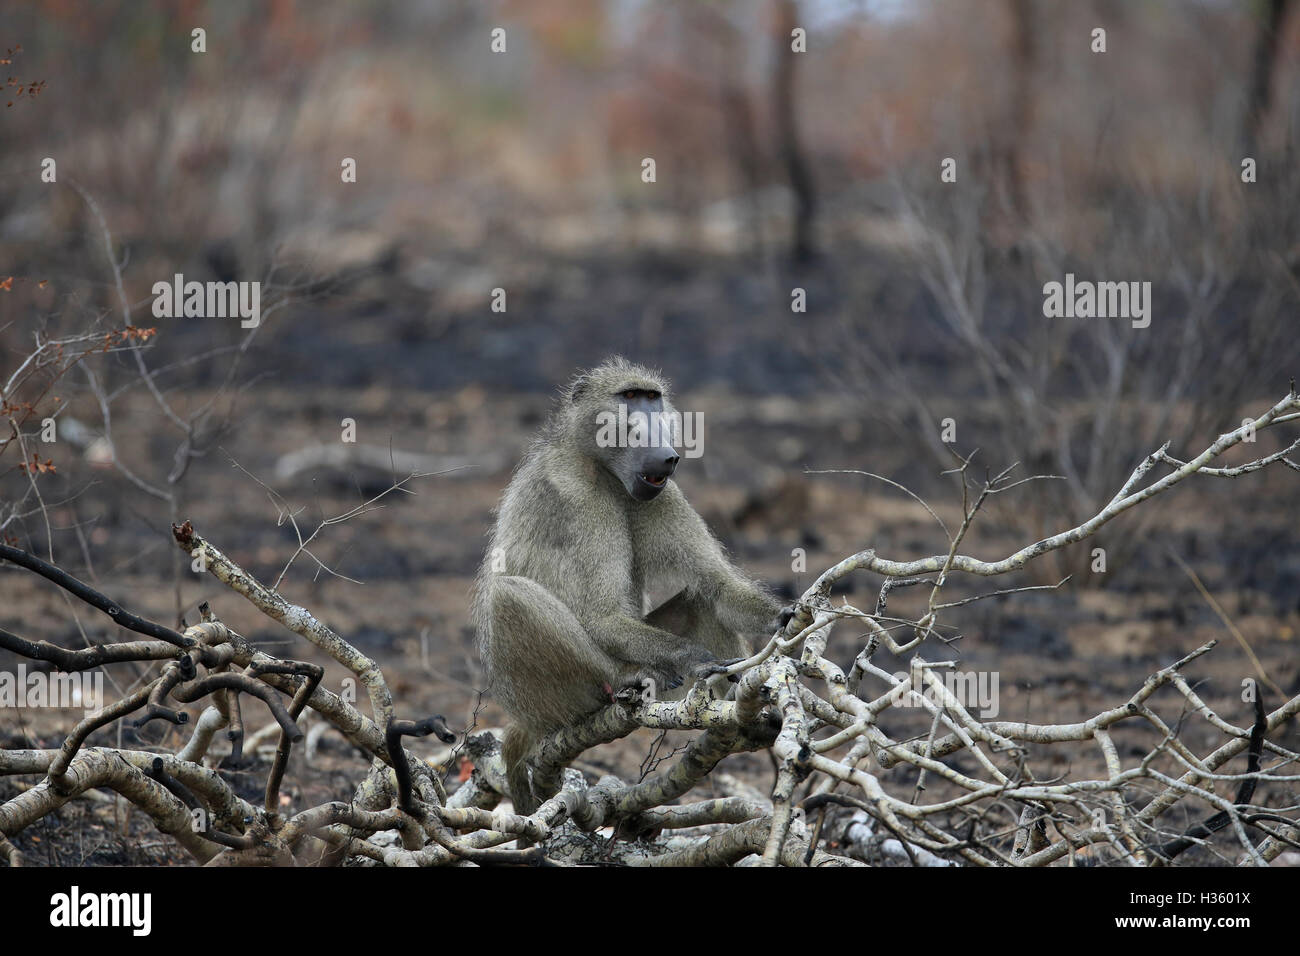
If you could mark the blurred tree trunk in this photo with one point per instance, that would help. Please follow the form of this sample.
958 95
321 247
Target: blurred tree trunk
787 131
1020 115
740 132
1260 95
742 141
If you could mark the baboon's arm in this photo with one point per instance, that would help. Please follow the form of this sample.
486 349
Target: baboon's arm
632 640
740 603
690 548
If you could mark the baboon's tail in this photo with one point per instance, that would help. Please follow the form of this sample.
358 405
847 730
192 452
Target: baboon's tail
514 747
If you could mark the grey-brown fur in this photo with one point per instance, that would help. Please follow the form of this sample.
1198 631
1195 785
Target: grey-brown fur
559 603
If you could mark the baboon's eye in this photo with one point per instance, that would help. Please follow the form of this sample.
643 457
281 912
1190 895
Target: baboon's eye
629 394
653 396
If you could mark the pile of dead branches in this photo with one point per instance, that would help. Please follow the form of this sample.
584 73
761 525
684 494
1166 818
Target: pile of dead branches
828 724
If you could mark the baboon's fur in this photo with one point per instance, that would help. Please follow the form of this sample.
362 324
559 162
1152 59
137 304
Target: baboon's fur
560 600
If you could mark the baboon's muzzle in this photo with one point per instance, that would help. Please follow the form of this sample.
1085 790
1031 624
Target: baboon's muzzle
656 468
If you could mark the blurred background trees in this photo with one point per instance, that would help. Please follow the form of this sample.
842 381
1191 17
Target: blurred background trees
776 170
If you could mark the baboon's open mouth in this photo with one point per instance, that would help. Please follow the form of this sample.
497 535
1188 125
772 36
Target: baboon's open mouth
657 482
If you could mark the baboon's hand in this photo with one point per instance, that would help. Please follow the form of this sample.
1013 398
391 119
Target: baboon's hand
646 683
708 669
696 662
785 616
633 691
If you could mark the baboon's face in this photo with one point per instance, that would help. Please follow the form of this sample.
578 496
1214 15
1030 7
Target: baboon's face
635 434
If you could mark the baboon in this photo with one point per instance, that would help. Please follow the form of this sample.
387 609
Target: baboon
585 528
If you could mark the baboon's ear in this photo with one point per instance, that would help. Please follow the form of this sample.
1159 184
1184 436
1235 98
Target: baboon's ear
578 386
